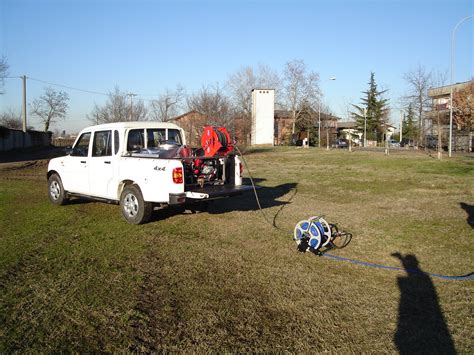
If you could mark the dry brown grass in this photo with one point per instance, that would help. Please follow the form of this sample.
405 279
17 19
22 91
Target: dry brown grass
78 278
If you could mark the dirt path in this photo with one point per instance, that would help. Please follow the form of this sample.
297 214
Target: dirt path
24 158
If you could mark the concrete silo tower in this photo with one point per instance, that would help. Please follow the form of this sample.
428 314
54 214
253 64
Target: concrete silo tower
263 116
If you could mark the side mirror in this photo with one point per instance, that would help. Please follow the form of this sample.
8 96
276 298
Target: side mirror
68 150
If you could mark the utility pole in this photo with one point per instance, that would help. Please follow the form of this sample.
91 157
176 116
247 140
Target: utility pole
401 126
24 102
319 122
327 133
131 103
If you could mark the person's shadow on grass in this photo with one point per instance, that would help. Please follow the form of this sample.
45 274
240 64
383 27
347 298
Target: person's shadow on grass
470 213
421 325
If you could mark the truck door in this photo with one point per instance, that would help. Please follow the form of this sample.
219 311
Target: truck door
101 165
75 173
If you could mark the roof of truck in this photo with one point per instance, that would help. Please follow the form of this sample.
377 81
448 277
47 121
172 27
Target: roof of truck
134 124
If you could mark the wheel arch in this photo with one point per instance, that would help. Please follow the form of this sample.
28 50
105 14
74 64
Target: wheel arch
123 184
52 172
134 208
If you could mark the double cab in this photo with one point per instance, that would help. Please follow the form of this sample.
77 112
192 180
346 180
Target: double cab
141 165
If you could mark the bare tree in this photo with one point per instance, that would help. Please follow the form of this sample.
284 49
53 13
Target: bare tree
463 107
213 104
11 119
118 108
167 105
438 80
3 72
241 83
50 107
419 81
301 87
269 78
239 86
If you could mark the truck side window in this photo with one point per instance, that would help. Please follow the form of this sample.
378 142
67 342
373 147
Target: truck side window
81 149
135 140
102 146
155 137
116 142
174 135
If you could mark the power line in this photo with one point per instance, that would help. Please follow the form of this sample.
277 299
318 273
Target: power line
69 87
78 89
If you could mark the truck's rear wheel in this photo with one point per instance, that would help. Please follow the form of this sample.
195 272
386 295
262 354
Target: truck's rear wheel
56 192
134 209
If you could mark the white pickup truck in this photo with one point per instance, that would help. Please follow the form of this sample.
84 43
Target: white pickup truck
141 165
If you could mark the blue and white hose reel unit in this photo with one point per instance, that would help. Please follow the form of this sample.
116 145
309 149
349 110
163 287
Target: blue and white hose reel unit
312 234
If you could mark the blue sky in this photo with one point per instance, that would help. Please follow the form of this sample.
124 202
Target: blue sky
147 46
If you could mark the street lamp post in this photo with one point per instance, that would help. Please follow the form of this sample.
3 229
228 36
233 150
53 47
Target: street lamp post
24 103
452 83
333 78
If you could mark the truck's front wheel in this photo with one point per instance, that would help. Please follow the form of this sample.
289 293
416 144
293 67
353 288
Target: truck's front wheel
56 192
134 209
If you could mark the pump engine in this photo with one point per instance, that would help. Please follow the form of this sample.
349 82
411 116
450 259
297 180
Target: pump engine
213 163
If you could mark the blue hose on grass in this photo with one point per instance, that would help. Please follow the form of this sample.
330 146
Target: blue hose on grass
363 263
410 271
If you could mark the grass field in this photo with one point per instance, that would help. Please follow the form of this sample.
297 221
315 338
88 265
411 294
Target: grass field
79 278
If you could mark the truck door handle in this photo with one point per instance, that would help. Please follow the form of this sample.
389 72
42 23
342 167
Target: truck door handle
83 161
107 162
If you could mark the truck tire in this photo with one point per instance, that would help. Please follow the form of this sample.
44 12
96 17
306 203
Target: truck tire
134 209
56 192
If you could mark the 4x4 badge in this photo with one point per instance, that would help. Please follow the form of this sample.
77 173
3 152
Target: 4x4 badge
160 168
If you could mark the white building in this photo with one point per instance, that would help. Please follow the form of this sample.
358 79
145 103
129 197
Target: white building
263 114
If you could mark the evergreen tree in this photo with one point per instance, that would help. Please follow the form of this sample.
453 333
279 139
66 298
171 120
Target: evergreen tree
409 125
376 111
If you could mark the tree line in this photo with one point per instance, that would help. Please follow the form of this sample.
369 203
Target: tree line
297 90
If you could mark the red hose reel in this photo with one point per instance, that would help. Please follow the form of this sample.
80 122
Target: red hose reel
216 141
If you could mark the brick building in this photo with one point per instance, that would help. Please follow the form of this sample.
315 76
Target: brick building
437 119
192 122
